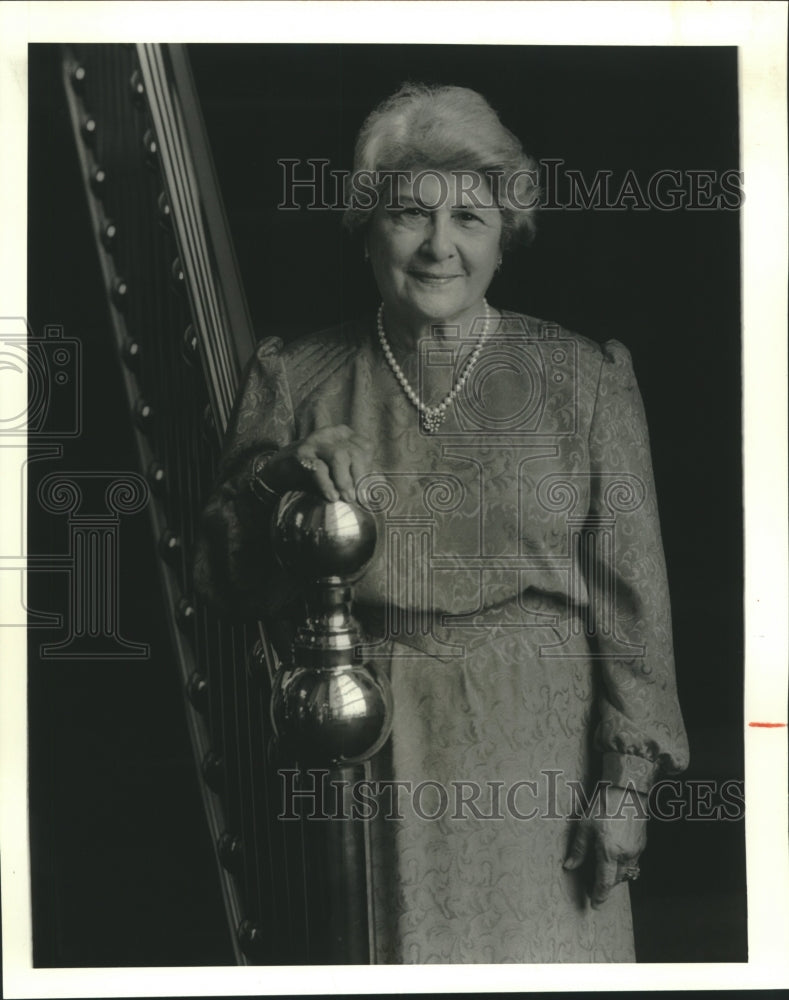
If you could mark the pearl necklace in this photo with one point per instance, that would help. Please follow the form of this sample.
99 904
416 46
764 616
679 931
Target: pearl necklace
432 416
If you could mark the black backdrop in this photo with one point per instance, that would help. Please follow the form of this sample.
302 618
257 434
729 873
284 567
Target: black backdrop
664 283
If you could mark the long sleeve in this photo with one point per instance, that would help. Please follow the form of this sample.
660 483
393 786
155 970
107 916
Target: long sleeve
640 731
234 566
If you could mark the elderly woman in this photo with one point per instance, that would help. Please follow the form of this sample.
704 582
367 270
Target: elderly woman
517 598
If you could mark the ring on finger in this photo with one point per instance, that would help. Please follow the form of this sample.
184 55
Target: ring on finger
631 872
310 464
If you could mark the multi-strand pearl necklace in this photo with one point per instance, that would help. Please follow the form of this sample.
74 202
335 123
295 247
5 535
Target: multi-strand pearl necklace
432 416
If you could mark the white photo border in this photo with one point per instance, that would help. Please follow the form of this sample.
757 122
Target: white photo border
758 29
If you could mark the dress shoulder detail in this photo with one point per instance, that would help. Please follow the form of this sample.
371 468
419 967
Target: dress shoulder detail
616 371
269 346
615 353
312 359
589 351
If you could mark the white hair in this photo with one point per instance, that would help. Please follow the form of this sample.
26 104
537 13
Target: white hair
446 128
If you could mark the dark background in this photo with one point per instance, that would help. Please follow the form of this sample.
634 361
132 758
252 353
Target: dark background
122 868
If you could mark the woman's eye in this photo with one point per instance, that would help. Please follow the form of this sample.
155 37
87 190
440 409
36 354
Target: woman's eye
412 214
468 217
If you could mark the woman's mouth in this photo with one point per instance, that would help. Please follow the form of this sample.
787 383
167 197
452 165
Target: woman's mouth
428 278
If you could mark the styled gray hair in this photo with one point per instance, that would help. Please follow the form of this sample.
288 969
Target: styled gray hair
445 128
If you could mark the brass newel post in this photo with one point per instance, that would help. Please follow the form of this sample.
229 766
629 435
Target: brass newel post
331 713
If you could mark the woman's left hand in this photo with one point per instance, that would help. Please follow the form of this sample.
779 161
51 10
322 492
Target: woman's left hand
615 836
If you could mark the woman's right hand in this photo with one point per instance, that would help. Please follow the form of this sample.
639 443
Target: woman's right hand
330 461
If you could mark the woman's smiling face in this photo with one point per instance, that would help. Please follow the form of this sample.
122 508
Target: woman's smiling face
432 250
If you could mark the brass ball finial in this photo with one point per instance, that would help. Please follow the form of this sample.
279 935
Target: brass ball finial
328 707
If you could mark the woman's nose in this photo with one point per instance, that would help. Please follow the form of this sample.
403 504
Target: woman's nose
438 239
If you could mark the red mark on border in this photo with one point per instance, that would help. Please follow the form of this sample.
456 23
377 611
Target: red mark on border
768 725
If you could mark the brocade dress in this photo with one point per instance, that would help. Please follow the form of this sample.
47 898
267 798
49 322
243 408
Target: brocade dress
517 600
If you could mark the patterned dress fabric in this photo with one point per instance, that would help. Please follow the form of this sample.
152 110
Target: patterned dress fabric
517 600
